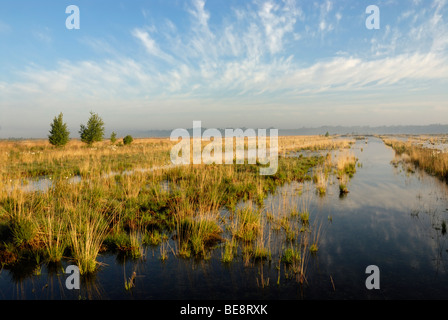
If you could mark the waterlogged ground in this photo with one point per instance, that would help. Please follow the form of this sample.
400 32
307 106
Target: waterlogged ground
391 218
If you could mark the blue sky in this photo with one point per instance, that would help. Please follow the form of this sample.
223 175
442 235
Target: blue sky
229 63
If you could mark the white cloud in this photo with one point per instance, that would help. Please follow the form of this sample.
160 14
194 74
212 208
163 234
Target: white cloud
200 13
150 45
280 77
325 9
247 61
234 60
278 21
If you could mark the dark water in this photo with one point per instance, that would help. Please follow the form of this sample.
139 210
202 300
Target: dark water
390 218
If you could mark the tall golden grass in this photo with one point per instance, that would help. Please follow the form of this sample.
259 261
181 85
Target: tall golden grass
433 161
28 158
87 232
76 218
297 143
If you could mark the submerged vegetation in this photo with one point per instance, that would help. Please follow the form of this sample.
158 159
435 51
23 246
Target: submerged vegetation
129 197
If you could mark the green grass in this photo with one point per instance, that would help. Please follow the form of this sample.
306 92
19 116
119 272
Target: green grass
196 235
53 234
23 232
229 253
291 256
152 238
343 188
304 218
314 248
123 213
247 224
87 231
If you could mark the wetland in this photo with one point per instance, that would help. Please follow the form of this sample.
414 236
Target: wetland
334 207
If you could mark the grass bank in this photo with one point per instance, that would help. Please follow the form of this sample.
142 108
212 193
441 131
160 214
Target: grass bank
195 207
433 161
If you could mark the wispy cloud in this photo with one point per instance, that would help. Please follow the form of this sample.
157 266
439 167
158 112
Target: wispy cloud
277 21
150 45
245 57
280 76
325 9
199 12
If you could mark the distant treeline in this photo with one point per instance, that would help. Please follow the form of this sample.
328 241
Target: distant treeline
332 130
339 130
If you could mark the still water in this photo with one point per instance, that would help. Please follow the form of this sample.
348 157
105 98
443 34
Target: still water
391 218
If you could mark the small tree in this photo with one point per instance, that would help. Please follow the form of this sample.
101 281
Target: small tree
113 137
128 140
94 131
59 134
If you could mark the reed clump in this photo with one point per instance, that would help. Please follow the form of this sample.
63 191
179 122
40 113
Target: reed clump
345 170
247 224
229 250
321 181
291 256
346 164
53 234
195 235
433 161
87 232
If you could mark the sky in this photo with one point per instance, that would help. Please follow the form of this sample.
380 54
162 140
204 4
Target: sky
162 64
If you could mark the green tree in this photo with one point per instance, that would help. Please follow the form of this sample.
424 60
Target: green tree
59 134
113 137
94 131
127 140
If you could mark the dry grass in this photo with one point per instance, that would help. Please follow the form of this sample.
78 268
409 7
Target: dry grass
298 143
28 159
345 163
87 232
35 158
53 234
76 218
432 161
